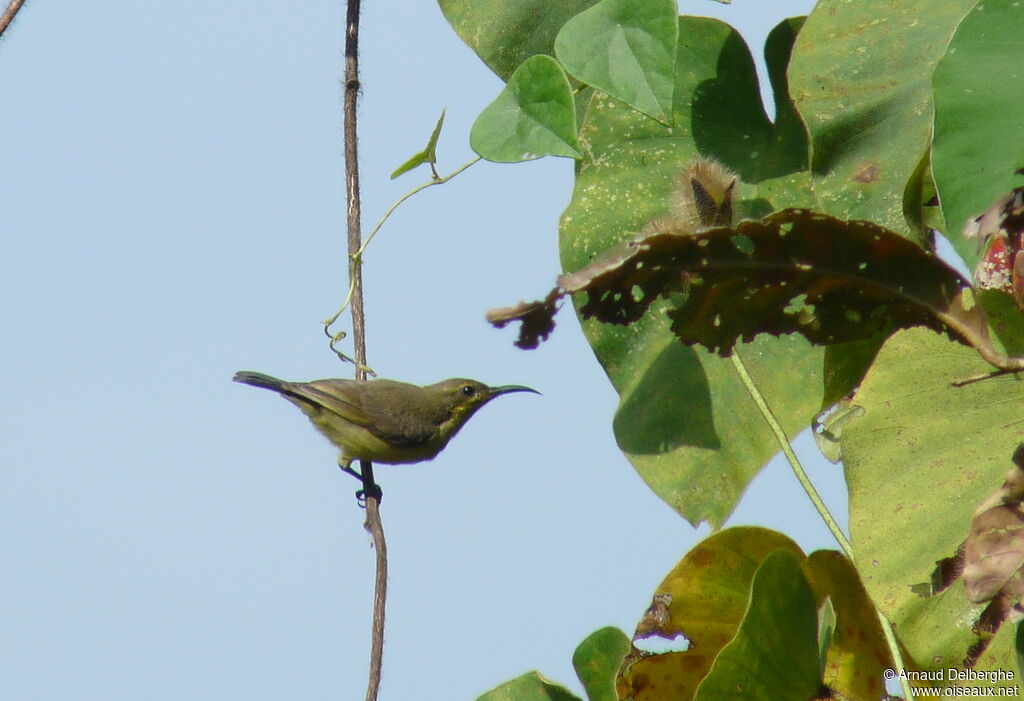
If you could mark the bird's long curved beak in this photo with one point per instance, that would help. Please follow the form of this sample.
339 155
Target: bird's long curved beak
505 389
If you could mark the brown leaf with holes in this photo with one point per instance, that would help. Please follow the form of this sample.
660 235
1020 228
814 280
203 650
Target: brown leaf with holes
795 271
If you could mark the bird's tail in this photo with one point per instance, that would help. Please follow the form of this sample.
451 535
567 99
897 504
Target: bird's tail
293 391
258 379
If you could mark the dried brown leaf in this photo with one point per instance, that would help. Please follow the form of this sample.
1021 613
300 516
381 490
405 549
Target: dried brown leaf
991 559
538 319
793 272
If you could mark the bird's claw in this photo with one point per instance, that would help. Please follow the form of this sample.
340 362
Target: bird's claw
372 490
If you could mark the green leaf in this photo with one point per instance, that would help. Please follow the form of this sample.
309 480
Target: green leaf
625 48
427 155
979 116
529 687
858 653
774 655
504 34
861 77
597 660
918 462
685 421
703 599
533 116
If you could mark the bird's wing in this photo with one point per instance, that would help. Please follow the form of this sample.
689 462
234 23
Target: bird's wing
397 423
407 422
403 423
328 394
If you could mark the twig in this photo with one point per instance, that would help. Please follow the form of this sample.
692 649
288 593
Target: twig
357 258
380 590
370 490
8 16
436 180
817 501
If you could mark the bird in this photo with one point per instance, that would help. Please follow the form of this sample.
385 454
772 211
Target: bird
384 421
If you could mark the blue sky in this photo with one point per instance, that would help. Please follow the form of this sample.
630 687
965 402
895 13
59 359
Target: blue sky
172 197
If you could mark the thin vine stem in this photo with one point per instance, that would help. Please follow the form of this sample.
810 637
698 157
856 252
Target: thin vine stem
436 180
357 257
817 501
794 461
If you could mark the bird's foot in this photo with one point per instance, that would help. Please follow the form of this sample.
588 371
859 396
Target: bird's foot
369 491
370 488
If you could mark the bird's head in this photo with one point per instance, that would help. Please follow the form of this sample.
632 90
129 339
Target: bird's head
463 397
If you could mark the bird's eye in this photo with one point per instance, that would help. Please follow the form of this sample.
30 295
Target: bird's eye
468 390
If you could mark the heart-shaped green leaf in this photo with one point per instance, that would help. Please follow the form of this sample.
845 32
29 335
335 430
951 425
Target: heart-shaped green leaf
626 49
504 34
533 116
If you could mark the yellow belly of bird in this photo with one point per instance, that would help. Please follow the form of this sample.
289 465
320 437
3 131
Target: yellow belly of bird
356 443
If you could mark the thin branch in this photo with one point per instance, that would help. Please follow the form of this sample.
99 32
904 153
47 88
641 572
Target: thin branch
371 494
380 591
352 180
8 16
370 491
819 503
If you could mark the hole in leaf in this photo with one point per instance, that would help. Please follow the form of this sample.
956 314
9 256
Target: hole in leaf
743 244
658 644
797 304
